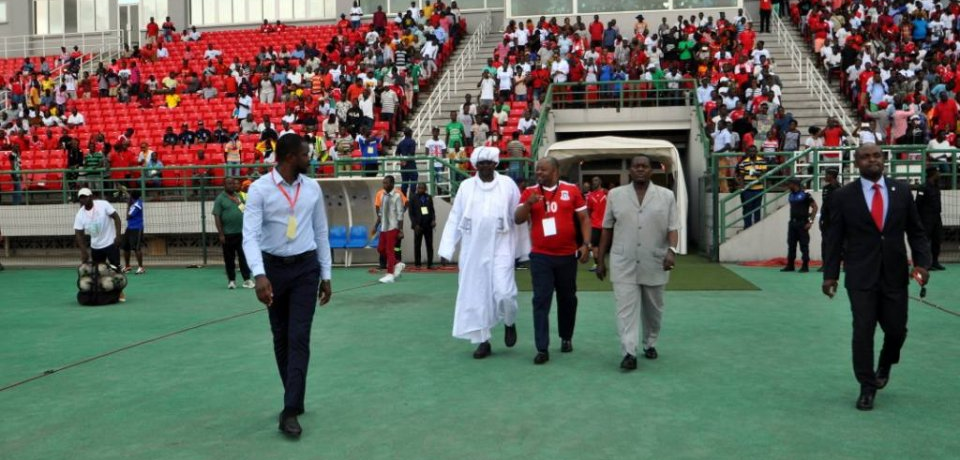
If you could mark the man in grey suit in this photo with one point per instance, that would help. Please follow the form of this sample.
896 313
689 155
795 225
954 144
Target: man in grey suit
642 224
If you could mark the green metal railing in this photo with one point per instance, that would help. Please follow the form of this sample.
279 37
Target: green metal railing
904 162
182 182
616 95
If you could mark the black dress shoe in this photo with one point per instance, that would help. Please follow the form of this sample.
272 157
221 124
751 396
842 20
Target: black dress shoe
650 353
787 269
541 358
289 424
804 269
629 363
937 266
482 351
510 335
883 376
566 346
820 270
865 401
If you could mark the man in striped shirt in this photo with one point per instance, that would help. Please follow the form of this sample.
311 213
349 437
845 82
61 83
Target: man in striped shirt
751 168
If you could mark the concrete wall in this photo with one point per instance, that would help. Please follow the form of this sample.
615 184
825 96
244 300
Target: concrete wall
693 169
19 18
626 20
348 202
627 119
768 239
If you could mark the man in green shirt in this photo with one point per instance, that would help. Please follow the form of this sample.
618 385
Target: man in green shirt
92 173
416 70
228 214
455 132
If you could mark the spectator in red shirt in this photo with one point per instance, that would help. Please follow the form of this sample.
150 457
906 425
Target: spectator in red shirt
833 134
766 8
554 209
153 31
266 28
945 114
596 32
748 37
596 205
380 21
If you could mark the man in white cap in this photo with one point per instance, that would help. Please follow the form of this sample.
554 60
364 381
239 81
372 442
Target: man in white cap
481 221
94 220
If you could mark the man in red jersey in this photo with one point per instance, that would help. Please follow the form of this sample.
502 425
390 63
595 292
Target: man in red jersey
596 205
554 209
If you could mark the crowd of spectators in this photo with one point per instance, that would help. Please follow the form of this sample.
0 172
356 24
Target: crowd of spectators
347 96
896 62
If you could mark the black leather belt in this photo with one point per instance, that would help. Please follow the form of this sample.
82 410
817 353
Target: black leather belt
289 260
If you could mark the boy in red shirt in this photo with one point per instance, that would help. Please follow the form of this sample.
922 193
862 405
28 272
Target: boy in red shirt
554 209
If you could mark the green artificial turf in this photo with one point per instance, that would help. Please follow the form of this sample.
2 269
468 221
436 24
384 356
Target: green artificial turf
692 273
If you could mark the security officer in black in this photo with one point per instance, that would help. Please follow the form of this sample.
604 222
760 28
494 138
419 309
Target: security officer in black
802 208
928 205
832 185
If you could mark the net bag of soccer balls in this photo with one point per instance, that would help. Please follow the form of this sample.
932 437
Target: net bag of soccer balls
99 284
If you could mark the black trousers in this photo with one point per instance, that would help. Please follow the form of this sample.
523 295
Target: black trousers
232 250
765 20
549 274
425 235
888 307
933 227
295 288
796 234
109 254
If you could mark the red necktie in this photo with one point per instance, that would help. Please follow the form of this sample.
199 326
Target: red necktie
876 208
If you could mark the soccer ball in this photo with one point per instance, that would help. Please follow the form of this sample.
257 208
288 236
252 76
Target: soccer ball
106 282
119 281
85 284
85 270
104 270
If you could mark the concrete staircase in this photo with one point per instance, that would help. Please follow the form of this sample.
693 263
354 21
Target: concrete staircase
467 85
796 98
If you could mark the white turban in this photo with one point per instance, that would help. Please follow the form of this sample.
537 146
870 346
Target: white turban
485 154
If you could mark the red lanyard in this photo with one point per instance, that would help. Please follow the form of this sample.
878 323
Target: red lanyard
546 202
296 196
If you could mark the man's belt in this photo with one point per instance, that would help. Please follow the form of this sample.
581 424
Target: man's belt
289 260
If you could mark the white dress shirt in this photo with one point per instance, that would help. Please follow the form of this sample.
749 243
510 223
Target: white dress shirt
868 195
265 222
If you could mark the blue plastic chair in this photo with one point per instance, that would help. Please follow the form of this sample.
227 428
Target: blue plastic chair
358 237
338 237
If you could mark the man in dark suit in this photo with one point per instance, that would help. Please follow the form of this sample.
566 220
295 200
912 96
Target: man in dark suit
868 219
423 219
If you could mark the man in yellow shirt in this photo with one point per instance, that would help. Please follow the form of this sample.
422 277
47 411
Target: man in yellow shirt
172 100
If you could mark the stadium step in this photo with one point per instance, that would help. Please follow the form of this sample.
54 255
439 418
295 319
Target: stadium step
796 96
468 85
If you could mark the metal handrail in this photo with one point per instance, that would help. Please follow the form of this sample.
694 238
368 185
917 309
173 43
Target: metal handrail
810 75
49 45
628 93
189 178
447 85
809 165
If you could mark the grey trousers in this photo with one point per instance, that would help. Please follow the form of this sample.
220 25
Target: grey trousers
634 300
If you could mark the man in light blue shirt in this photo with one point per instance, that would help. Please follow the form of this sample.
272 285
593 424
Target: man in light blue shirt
286 246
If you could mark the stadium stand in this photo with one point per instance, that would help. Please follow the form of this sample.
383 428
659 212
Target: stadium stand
295 76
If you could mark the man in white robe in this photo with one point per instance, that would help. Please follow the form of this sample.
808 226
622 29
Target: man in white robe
481 221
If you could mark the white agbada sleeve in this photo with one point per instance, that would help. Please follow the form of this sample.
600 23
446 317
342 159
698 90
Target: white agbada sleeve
451 230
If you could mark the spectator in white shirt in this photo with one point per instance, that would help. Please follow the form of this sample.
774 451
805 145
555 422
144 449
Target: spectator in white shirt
210 53
527 124
75 119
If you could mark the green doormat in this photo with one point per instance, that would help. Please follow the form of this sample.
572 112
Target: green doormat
693 273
